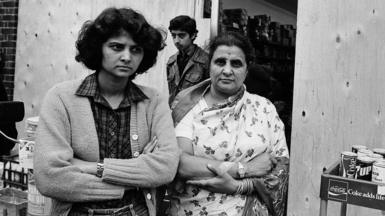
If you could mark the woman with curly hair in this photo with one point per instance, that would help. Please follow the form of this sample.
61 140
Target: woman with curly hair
102 147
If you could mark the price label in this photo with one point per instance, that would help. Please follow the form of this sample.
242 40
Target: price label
26 149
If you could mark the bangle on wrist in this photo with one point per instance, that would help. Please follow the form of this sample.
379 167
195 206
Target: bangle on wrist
239 188
245 187
249 186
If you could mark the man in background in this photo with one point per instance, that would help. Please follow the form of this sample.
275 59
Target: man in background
189 65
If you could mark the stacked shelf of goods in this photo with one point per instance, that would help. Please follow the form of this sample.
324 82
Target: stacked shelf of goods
15 167
14 176
274 46
273 42
351 191
18 178
235 20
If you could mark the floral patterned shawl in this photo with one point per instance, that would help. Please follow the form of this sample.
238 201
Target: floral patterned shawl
238 130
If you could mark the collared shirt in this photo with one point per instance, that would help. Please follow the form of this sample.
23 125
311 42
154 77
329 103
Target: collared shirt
184 57
113 129
113 126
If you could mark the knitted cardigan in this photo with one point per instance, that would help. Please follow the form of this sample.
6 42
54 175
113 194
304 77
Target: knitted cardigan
67 130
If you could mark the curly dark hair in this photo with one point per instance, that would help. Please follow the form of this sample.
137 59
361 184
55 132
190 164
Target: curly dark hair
110 23
183 23
233 39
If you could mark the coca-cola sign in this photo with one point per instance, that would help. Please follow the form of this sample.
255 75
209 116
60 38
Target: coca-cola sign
338 190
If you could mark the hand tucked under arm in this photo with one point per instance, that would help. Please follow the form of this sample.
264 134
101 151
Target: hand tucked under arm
151 146
224 183
221 183
260 165
85 166
195 167
91 167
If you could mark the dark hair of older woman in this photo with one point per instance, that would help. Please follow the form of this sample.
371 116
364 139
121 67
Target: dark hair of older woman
233 39
232 141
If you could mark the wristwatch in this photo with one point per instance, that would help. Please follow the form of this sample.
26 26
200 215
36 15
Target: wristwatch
99 169
241 170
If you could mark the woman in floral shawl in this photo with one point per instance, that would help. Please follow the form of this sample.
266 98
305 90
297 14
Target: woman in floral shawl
235 157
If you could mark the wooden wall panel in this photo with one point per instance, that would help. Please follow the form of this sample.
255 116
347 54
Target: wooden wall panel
339 95
47 31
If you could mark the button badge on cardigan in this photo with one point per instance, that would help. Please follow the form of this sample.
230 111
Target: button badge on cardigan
135 137
148 196
136 154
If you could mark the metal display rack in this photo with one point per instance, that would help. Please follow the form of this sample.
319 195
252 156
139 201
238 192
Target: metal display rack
349 191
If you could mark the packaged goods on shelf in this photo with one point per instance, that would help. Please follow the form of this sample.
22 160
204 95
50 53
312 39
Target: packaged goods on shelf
360 162
27 145
380 151
14 176
365 189
258 28
351 191
364 166
262 28
31 126
239 15
31 123
37 203
13 202
355 148
235 20
348 163
26 149
275 32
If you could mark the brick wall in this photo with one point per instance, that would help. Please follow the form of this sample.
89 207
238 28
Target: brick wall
8 32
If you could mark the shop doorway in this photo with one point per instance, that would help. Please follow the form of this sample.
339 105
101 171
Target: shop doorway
271 27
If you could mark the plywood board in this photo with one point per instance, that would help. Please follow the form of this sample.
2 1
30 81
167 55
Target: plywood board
339 98
47 31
